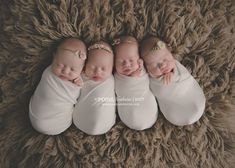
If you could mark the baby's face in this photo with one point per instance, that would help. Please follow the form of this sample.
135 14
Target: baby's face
126 59
99 65
66 65
159 62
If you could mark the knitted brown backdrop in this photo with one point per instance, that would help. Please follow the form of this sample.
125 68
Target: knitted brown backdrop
202 36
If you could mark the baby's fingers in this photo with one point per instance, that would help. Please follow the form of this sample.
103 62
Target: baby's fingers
140 63
164 79
170 77
167 78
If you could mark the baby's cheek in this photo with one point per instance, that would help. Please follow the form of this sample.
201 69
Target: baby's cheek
136 66
88 72
118 68
55 71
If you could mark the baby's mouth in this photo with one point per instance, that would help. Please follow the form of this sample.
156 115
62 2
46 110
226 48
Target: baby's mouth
97 78
63 77
126 71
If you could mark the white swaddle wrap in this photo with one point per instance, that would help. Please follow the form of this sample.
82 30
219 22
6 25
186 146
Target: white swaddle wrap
52 104
137 106
95 110
182 102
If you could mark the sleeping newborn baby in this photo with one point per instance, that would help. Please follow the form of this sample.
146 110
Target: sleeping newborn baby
94 113
52 104
137 107
180 97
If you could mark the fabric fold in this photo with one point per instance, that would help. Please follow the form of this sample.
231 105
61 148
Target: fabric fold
94 112
51 106
136 104
182 102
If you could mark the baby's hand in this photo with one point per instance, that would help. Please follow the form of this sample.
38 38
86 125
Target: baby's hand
168 66
140 63
167 78
78 81
139 70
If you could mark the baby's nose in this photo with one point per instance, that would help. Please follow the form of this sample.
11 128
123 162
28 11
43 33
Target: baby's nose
97 70
65 70
126 63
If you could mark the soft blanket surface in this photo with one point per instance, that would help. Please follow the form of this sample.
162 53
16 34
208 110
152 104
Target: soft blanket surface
182 102
136 104
201 34
95 111
52 104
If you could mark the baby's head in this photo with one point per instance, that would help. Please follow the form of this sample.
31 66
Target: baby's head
126 55
157 57
99 65
69 59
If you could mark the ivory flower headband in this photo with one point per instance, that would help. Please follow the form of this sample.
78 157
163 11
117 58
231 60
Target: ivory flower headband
158 45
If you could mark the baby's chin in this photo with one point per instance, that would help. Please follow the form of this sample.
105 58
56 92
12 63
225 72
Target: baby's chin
99 78
126 72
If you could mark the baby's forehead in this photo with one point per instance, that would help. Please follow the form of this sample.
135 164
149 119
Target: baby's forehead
129 46
100 57
158 55
99 53
126 49
72 47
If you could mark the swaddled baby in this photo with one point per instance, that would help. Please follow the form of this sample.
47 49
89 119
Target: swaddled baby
94 113
52 104
180 97
137 107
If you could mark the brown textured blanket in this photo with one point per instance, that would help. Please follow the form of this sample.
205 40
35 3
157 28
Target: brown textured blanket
201 34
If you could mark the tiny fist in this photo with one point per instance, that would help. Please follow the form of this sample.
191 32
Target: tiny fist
140 62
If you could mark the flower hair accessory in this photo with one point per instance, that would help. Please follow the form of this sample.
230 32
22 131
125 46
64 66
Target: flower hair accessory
100 47
80 54
159 45
118 41
77 53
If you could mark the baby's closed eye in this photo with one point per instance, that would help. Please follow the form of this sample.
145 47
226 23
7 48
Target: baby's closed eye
72 69
59 65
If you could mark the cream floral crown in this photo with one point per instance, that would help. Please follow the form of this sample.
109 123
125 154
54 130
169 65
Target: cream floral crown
100 47
77 53
158 45
118 41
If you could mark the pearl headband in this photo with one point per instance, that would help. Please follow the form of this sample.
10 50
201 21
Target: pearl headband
100 47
